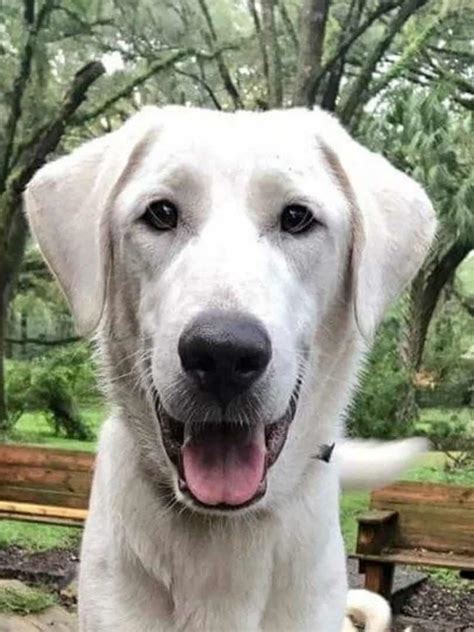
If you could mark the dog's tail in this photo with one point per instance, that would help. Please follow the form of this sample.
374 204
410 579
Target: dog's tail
368 609
371 464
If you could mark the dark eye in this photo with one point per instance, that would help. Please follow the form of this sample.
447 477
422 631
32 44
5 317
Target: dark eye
161 215
296 218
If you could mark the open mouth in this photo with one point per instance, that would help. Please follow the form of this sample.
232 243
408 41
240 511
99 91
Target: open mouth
224 465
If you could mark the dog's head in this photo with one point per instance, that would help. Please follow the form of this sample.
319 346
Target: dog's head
234 265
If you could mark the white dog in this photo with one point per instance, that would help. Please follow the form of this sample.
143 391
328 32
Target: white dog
234 267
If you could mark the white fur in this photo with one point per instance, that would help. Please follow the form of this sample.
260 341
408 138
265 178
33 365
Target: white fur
369 609
150 560
372 464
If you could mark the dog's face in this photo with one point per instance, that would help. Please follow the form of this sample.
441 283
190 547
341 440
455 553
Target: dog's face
234 247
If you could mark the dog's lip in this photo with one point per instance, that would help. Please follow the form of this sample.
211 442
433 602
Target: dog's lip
173 434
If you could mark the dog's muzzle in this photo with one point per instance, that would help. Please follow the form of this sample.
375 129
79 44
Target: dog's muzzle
223 463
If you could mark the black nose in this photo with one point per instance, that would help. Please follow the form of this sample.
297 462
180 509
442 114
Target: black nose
224 353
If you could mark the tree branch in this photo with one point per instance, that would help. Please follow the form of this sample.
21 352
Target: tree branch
424 296
258 30
42 341
275 86
51 136
222 66
313 20
407 55
286 19
350 39
357 96
20 82
444 73
130 86
154 69
203 83
333 83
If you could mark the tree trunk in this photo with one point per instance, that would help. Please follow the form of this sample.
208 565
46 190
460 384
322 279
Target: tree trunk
423 298
313 20
3 400
358 93
424 295
275 85
10 262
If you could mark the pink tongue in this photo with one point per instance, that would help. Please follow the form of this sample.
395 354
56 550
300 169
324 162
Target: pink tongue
225 467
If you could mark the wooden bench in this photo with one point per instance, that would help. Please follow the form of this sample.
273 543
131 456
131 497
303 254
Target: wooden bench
44 485
420 524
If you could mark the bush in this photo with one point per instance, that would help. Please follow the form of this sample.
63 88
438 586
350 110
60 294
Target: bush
375 412
52 383
452 436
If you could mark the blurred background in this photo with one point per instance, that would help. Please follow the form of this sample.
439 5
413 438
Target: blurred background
400 76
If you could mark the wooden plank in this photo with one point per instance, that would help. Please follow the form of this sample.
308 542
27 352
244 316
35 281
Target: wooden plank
413 557
379 578
424 494
432 527
58 522
33 509
374 536
376 516
40 513
21 476
12 454
44 497
432 516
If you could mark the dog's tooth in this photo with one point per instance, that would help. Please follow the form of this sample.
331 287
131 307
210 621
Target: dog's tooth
188 431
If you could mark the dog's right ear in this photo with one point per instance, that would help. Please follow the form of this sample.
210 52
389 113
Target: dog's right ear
67 204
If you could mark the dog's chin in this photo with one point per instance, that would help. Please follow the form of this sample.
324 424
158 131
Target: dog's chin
222 467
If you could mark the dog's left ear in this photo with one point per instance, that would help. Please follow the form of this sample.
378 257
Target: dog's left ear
393 222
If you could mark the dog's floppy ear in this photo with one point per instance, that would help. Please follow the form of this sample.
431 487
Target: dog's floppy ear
67 206
393 223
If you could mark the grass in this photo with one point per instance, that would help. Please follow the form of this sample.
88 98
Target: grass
37 537
24 600
34 428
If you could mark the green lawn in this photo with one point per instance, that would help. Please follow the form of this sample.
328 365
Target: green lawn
34 428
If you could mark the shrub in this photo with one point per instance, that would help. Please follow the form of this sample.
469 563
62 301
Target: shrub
375 412
452 436
52 383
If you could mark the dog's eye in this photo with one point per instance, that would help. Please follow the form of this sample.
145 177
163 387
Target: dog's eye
296 218
161 215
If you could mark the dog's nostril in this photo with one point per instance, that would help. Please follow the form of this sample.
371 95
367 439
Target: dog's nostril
224 353
203 362
249 364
